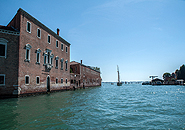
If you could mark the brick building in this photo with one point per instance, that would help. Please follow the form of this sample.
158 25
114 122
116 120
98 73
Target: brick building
33 59
84 76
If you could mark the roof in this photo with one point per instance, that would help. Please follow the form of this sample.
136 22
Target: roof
156 79
34 20
74 62
8 28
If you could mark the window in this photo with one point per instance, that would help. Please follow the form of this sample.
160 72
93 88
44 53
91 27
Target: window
38 33
62 64
66 64
56 44
66 81
38 56
71 81
48 57
3 47
2 79
51 60
27 80
61 81
28 28
37 80
56 62
45 58
49 39
27 56
62 46
2 50
56 80
66 49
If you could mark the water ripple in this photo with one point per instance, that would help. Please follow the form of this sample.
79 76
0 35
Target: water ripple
105 107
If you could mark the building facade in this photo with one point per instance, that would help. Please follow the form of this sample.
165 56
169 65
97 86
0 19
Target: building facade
84 76
33 59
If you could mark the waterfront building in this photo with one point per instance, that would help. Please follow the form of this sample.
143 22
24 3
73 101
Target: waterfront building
84 76
33 58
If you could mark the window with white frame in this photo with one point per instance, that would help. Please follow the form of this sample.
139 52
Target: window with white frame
27 79
56 80
56 44
2 79
37 80
48 57
45 59
49 39
62 63
66 64
28 27
62 46
61 80
3 47
27 55
38 51
38 33
51 59
56 62
66 49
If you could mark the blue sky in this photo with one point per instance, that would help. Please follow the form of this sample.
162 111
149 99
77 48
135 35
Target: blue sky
143 37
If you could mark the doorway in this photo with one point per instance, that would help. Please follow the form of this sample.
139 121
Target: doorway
48 83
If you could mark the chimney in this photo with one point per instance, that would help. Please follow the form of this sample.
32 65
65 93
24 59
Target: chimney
58 31
81 61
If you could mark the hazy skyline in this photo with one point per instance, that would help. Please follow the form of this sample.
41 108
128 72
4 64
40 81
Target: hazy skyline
143 37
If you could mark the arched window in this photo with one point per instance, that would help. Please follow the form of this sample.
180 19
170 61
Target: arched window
3 47
56 62
66 64
62 63
27 55
38 51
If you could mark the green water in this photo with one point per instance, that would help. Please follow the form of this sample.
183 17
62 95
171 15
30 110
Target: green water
105 107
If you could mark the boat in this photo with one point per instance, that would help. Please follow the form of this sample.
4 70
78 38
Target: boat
118 83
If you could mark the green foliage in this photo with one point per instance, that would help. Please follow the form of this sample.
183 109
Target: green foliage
165 75
71 71
181 73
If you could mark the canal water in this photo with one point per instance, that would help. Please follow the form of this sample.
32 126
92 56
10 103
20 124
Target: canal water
130 106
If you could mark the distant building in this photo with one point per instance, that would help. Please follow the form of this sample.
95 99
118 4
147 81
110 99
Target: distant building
33 59
157 81
84 76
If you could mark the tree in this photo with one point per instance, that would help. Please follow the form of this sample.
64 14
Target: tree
165 75
181 73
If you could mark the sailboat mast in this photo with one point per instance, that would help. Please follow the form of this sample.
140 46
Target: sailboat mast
118 73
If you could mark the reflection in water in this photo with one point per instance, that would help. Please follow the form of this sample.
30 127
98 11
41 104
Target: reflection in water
105 107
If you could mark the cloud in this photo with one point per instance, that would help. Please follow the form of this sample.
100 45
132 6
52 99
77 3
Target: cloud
158 28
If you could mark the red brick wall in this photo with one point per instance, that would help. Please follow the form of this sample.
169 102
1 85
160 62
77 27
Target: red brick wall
15 22
75 68
31 68
91 77
9 66
88 76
